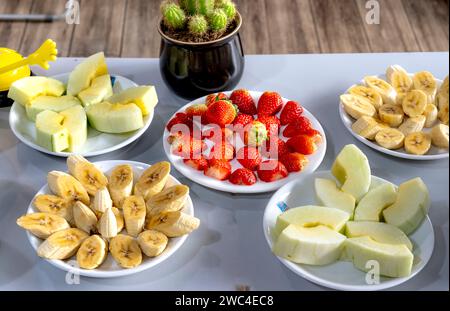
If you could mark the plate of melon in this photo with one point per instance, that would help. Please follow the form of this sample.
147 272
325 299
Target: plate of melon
348 230
87 112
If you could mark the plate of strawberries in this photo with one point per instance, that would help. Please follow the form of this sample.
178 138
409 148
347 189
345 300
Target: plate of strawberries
244 141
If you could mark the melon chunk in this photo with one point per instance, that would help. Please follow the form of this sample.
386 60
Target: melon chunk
75 121
83 74
50 133
99 90
374 202
329 195
114 118
144 97
23 91
53 103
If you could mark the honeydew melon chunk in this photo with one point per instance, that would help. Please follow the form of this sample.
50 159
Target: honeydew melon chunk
50 133
83 74
75 121
371 206
379 232
313 246
393 260
351 168
99 90
53 103
328 194
23 91
115 118
411 206
144 97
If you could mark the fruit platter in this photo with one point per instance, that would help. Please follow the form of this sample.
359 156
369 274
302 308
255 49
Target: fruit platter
244 141
87 112
329 225
110 218
401 114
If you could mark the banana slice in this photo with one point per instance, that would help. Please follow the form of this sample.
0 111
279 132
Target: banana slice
386 90
134 211
169 200
62 244
426 82
391 114
442 96
369 94
86 173
402 83
357 106
152 242
120 183
125 250
67 187
391 70
52 204
85 218
431 115
443 114
412 125
102 201
153 180
390 138
366 127
42 225
107 225
414 103
119 219
92 252
173 224
417 143
439 136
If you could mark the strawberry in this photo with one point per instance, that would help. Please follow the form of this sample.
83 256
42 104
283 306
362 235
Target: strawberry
218 169
222 112
243 177
243 119
294 162
300 126
197 164
302 144
291 112
244 101
222 151
249 157
254 134
180 118
197 110
186 147
272 170
212 98
272 124
269 104
275 148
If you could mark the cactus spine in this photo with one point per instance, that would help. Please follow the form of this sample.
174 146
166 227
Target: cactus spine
229 9
218 20
198 25
194 7
174 16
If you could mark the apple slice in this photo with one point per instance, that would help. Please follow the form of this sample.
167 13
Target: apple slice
53 103
374 202
329 195
76 123
143 96
379 232
26 89
393 260
114 118
313 246
99 90
410 207
83 74
50 133
351 168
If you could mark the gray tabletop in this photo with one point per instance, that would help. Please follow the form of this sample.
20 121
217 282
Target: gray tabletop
229 249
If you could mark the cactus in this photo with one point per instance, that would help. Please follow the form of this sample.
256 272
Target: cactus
218 20
174 16
229 8
198 25
194 7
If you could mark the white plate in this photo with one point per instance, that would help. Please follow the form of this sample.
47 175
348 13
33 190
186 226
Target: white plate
260 187
110 268
97 143
340 275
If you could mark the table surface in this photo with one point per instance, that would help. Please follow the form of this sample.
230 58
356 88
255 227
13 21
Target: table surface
229 249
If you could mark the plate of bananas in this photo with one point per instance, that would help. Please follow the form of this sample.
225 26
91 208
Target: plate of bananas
109 218
401 114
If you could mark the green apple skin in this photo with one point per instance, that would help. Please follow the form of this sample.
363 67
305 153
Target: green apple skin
351 168
23 91
144 97
50 133
75 121
371 206
312 246
99 90
411 206
329 195
379 232
394 260
83 74
53 103
115 118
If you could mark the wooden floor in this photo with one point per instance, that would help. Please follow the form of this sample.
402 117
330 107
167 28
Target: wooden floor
126 28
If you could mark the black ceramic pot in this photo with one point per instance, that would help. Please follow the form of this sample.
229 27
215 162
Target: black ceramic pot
194 70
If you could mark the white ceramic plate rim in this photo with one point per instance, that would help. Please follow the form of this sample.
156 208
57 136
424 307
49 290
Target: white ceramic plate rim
175 243
259 187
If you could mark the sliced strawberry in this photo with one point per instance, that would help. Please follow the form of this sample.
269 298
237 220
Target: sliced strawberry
302 144
218 135
197 110
294 162
272 124
222 113
269 104
218 169
291 112
222 151
243 177
244 101
300 126
197 164
272 170
274 148
212 98
186 147
243 119
180 118
249 157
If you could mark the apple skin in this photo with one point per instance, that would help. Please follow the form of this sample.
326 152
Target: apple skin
328 194
371 206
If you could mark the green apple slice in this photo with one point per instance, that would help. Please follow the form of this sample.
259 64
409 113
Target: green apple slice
115 118
53 103
75 121
99 90
410 207
144 97
374 202
351 168
83 74
313 246
379 232
23 91
393 260
329 195
50 133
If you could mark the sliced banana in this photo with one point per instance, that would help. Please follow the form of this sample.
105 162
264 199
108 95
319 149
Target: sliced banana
386 90
92 252
402 83
411 125
134 211
414 103
442 97
86 173
357 106
85 218
125 251
47 203
370 94
439 136
42 225
391 70
120 183
62 244
431 115
391 114
443 114
119 219
107 225
173 224
152 242
67 187
366 127
153 180
102 201
390 138
426 82
417 143
169 200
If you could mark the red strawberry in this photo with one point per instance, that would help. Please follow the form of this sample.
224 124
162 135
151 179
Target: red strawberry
215 97
275 148
300 126
186 147
222 151
294 162
180 118
249 158
222 112
218 169
272 124
291 112
197 164
269 104
197 110
217 134
243 119
302 144
243 177
244 101
272 170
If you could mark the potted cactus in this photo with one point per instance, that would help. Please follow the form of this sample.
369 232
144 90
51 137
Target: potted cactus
201 50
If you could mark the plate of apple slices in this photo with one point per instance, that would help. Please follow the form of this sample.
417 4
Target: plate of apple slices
87 111
348 230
